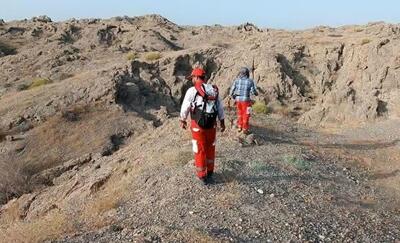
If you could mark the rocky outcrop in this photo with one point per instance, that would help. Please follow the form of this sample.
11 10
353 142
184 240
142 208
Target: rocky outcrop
42 18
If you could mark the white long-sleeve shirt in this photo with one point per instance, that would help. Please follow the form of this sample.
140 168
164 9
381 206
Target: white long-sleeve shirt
189 100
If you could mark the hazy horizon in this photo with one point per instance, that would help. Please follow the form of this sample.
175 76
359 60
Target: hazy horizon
283 15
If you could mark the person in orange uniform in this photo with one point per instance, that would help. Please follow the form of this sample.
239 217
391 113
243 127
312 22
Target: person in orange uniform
205 107
240 91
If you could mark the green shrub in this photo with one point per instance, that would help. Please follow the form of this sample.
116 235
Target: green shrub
131 56
365 41
296 162
39 82
260 108
152 56
259 166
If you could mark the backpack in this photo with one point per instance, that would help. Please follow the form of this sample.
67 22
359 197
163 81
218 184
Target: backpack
205 112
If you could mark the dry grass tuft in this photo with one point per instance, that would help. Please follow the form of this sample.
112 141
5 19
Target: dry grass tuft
50 227
53 142
11 214
152 56
132 56
260 108
96 213
39 82
365 41
99 210
14 180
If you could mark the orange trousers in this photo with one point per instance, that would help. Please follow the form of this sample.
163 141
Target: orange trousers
203 141
243 114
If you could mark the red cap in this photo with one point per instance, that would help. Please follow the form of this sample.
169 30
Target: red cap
198 72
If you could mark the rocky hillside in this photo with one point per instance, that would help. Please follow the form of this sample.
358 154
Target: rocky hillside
323 75
90 149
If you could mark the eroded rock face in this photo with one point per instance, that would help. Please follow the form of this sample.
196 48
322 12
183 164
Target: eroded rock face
360 85
65 186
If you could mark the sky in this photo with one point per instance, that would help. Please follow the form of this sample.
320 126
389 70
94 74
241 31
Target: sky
287 14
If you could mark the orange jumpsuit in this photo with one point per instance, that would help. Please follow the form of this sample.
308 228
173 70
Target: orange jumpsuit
203 140
243 114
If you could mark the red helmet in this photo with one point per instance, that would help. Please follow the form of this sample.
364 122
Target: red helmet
198 72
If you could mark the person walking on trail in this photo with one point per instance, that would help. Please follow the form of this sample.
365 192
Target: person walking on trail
240 91
204 105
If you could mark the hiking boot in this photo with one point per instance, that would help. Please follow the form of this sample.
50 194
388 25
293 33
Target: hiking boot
210 178
203 181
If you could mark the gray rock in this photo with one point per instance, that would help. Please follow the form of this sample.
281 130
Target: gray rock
250 139
42 18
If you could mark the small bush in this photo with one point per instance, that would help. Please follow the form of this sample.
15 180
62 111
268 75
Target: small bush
260 108
39 82
152 56
297 163
365 41
131 56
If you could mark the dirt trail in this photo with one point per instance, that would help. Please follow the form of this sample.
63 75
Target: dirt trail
292 186
377 148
